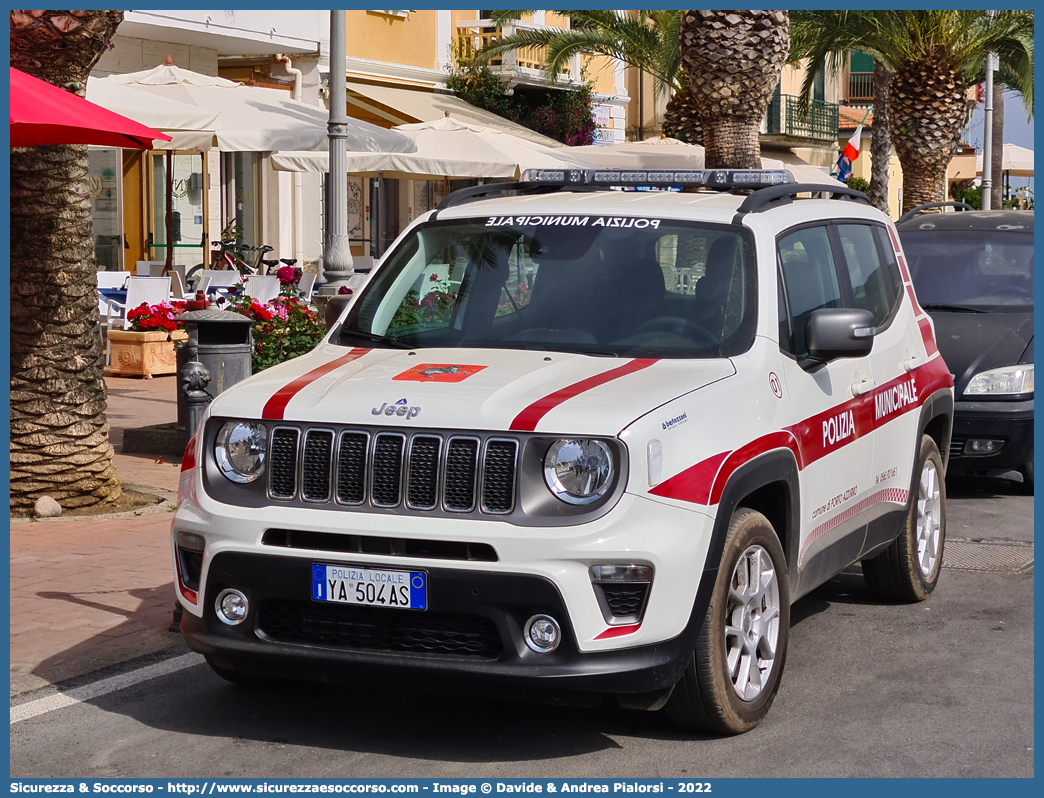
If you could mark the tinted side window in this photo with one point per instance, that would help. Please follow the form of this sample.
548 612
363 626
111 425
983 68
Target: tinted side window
875 285
810 277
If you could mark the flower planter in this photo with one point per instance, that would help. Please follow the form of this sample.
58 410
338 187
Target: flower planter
142 354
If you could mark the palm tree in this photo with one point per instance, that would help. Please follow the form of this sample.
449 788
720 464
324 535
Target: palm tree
734 60
936 56
59 435
881 139
646 40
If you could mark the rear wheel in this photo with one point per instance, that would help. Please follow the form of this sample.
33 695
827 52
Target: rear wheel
733 676
909 569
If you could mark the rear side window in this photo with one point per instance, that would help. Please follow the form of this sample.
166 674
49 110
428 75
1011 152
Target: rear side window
875 284
810 277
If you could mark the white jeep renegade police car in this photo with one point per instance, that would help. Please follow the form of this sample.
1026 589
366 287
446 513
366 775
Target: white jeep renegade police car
584 440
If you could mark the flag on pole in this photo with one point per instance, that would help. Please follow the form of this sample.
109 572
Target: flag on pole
848 155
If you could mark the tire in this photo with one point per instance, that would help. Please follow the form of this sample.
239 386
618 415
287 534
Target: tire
707 697
909 569
1027 478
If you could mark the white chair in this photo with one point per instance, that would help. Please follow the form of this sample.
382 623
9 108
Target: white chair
222 277
306 285
202 284
263 288
177 286
112 279
148 268
152 290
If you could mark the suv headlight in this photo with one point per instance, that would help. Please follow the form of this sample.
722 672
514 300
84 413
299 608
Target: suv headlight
240 450
578 470
1006 380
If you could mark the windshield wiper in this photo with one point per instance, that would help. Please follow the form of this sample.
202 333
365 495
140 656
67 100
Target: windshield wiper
954 308
383 339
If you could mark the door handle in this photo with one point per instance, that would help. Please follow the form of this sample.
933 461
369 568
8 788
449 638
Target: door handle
863 387
911 363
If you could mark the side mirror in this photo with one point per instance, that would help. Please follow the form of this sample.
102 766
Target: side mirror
832 333
334 307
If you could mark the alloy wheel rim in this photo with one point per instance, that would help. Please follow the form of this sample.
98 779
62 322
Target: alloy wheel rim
752 623
929 533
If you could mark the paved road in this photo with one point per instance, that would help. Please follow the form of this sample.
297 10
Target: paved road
943 688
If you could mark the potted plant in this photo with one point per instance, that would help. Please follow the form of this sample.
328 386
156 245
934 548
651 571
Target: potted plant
147 348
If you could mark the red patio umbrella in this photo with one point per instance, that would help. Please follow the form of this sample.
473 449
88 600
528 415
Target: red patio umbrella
45 114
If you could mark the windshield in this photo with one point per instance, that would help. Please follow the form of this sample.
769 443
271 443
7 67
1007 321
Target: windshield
979 270
620 287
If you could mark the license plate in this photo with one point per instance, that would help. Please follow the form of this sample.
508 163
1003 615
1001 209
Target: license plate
347 584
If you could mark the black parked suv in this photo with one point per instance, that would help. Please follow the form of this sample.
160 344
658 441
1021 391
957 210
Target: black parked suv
973 274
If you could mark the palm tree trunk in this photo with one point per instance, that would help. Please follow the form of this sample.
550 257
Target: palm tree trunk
881 138
681 120
59 434
927 111
997 156
733 60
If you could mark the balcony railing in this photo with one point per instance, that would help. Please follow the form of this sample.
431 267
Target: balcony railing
785 118
861 87
524 63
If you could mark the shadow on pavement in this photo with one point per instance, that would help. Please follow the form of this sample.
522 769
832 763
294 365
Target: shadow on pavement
399 723
146 626
981 488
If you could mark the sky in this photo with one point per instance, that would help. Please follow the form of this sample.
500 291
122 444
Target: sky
1016 130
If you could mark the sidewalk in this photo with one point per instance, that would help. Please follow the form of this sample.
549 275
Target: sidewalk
91 592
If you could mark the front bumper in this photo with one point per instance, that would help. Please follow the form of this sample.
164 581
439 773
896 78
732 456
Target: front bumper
472 629
1010 422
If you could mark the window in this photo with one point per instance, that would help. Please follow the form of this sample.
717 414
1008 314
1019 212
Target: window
565 283
875 285
810 277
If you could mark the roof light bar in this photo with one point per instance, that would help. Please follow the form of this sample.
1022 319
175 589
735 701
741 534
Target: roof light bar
708 178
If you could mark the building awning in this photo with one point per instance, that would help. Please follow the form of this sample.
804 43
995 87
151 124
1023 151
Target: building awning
402 106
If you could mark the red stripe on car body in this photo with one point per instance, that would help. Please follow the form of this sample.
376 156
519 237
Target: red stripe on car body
276 406
927 335
757 447
805 439
694 483
527 420
618 631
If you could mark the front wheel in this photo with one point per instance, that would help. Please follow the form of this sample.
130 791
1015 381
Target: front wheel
909 569
733 676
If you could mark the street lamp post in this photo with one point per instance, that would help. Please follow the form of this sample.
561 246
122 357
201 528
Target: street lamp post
337 254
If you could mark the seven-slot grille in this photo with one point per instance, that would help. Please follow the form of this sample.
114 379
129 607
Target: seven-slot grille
422 471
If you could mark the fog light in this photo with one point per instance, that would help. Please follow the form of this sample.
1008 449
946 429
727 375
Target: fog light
543 634
231 607
982 446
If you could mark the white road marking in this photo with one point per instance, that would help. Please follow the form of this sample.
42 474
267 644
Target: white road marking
41 706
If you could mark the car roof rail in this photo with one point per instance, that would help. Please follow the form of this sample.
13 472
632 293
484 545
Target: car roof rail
774 196
546 181
961 206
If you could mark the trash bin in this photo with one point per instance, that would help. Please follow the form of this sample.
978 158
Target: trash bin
220 340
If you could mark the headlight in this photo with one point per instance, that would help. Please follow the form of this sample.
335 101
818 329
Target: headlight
240 450
578 471
1006 380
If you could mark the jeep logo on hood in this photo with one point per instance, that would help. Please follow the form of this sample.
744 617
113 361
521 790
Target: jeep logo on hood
400 408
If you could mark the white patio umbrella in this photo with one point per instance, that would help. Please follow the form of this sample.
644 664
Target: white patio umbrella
255 119
445 148
189 126
656 153
1016 161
